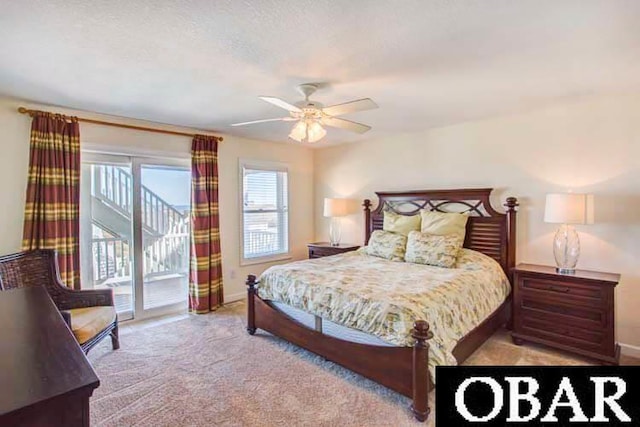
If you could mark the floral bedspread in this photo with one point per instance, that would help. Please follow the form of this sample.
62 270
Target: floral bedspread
384 298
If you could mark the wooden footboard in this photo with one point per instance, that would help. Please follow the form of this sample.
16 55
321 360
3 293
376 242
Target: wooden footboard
403 369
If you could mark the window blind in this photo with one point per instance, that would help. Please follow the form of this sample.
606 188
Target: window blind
265 212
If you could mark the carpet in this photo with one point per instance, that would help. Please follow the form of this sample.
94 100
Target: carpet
205 370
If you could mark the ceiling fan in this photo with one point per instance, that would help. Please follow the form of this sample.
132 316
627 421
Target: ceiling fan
311 116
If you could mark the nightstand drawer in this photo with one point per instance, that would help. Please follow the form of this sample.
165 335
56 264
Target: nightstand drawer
561 315
562 290
569 307
563 294
564 334
320 252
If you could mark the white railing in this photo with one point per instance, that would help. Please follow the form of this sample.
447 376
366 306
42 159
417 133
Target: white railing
165 255
111 259
260 242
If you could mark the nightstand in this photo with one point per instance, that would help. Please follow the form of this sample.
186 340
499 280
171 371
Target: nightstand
320 249
572 312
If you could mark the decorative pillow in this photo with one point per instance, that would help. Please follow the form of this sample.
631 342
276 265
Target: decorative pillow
401 224
444 223
431 249
385 244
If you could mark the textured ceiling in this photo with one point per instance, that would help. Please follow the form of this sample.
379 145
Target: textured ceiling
202 63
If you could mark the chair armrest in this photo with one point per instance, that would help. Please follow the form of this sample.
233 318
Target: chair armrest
70 298
67 317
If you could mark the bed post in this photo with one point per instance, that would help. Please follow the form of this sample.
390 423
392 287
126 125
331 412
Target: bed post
251 304
511 205
367 220
420 405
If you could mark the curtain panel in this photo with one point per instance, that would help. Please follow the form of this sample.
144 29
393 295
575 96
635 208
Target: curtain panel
52 209
205 272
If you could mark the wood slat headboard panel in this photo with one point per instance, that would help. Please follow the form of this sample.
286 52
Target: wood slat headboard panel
488 231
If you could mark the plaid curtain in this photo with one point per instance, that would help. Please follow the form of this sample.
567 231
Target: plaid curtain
205 273
52 209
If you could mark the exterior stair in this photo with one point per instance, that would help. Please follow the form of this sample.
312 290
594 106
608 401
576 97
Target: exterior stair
165 229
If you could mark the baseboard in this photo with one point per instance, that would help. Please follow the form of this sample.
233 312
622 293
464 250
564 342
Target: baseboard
235 297
630 350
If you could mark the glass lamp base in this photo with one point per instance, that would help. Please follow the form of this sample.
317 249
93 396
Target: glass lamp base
335 233
566 249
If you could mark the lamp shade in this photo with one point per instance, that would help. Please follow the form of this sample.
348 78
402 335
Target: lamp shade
307 131
299 131
569 208
336 207
315 132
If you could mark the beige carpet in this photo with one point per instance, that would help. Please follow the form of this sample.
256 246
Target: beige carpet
207 371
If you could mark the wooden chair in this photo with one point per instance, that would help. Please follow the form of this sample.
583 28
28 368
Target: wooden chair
90 314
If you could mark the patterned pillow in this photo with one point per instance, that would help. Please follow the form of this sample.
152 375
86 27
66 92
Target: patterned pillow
401 224
385 244
431 249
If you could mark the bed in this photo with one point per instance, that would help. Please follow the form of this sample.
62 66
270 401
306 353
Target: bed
332 306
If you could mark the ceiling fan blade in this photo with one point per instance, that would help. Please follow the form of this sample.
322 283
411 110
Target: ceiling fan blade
345 124
281 103
350 107
281 119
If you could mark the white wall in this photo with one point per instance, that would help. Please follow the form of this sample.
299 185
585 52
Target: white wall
14 140
588 146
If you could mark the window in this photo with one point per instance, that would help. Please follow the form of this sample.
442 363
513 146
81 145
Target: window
265 212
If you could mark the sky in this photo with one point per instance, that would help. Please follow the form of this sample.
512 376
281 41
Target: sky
172 185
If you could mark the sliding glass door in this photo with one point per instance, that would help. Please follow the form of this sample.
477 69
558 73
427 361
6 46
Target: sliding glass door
106 228
165 209
135 232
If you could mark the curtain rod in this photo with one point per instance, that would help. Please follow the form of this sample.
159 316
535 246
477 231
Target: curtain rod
23 110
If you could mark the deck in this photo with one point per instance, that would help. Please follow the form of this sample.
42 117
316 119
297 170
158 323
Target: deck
159 291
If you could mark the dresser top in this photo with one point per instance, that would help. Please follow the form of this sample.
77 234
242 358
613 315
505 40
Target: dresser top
579 274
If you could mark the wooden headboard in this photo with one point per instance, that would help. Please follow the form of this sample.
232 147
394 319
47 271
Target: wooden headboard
488 231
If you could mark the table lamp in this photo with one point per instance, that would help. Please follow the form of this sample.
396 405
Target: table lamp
567 209
334 209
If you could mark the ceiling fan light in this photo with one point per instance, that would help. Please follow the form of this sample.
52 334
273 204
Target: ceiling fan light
299 131
316 132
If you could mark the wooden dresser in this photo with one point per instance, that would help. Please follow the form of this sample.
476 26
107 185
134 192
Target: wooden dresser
320 249
46 378
570 312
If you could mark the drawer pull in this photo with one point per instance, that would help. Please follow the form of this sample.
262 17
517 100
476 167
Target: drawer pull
563 289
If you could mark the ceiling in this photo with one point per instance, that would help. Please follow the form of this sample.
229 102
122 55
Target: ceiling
203 63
